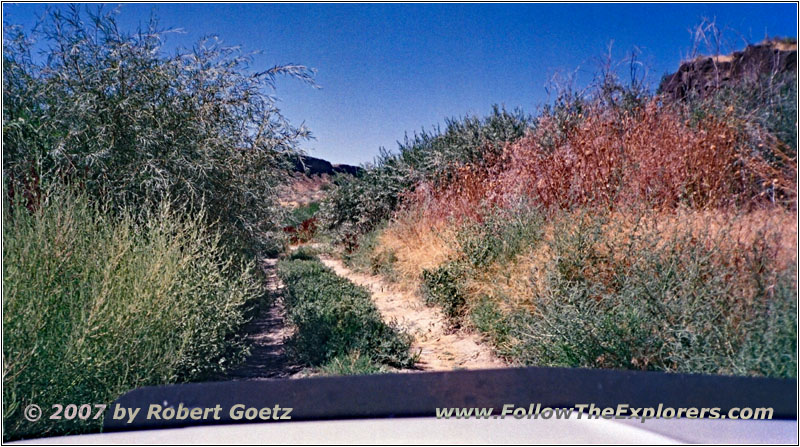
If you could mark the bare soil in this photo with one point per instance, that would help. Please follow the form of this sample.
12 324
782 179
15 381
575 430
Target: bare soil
440 347
267 333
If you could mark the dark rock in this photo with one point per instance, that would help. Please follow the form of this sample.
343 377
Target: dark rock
348 169
317 166
704 75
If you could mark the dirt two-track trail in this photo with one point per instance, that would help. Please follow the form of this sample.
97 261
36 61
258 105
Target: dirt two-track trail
267 333
440 348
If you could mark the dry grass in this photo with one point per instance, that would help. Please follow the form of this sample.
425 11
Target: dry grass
781 45
418 243
726 230
653 156
510 285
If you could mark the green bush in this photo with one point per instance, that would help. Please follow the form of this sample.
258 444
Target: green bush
661 302
302 213
443 286
490 321
351 364
335 318
677 302
498 238
359 204
302 254
96 303
115 113
501 235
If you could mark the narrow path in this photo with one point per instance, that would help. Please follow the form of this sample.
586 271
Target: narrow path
267 332
440 348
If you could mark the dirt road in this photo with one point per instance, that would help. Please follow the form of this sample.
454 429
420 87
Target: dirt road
440 348
267 332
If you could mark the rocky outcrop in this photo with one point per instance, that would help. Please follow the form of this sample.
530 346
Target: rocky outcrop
703 75
317 166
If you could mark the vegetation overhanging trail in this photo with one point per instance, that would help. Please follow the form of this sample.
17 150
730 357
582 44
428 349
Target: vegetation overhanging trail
439 347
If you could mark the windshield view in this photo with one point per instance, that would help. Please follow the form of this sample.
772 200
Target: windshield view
310 211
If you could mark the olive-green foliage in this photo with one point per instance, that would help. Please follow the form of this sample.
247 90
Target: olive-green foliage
498 238
501 235
443 286
351 364
668 302
495 325
302 254
97 303
296 216
132 124
670 306
359 204
335 318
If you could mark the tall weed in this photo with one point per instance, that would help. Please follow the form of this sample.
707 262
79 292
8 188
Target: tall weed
96 303
651 156
672 300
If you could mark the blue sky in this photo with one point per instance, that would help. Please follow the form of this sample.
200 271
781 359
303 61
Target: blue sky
388 69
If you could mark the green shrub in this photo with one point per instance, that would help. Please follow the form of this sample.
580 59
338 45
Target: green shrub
302 254
501 235
351 364
367 258
335 318
96 303
678 301
115 113
770 343
359 204
273 244
490 321
443 286
661 302
302 213
498 238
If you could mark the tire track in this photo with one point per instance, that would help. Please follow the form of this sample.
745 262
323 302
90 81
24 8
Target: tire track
440 348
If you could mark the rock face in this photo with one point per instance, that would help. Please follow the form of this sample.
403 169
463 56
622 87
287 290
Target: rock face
316 166
310 180
703 75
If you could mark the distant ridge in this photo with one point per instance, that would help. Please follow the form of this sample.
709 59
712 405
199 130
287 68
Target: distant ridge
316 166
311 178
704 74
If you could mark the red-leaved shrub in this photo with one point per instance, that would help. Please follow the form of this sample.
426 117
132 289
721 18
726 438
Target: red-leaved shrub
653 156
